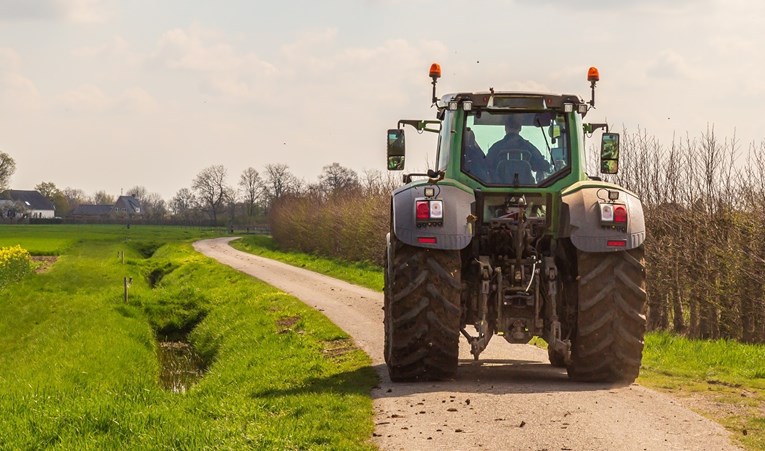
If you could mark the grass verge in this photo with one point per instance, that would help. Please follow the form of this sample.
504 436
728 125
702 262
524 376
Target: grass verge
358 273
79 370
722 380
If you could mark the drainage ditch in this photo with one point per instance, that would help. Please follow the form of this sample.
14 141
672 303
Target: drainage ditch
173 318
180 366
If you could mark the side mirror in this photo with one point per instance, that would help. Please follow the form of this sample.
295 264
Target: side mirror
609 153
396 149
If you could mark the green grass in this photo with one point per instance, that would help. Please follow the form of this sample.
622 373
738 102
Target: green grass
78 367
722 379
358 273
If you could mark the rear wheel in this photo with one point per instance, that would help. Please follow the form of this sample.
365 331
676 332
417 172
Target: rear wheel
422 312
611 322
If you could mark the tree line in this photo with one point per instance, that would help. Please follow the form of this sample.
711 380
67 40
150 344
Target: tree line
210 199
704 204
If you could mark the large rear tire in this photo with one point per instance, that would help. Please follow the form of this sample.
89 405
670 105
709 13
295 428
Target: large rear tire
422 312
611 322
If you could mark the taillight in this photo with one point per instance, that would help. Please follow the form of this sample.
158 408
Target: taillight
429 211
423 210
620 214
613 215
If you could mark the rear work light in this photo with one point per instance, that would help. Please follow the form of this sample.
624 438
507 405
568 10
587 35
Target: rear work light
613 215
429 211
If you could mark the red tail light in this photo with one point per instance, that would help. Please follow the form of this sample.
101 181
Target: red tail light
426 239
423 210
620 214
617 243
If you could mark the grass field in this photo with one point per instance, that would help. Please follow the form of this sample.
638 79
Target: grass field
722 380
79 368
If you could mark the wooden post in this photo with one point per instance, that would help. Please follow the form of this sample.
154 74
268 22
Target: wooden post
125 285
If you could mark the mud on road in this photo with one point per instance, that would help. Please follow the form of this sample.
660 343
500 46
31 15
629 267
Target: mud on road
512 399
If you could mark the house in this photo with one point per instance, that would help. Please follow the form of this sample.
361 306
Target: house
125 207
92 211
20 204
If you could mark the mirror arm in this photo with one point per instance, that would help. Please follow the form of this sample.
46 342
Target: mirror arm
591 127
419 125
435 176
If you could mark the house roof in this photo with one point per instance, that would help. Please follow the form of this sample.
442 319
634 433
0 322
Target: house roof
32 200
91 210
129 203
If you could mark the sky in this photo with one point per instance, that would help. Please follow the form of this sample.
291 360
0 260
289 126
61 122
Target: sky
110 94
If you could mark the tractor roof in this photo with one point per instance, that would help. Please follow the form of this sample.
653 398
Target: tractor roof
513 99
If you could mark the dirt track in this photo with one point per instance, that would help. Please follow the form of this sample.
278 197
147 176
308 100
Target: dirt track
512 400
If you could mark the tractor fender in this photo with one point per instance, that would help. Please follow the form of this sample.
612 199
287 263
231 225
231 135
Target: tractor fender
454 233
580 219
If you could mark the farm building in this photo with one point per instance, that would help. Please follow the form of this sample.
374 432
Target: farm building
20 204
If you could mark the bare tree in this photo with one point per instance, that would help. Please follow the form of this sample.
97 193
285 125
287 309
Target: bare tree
183 203
7 168
103 198
75 196
252 189
336 178
139 192
278 182
153 207
211 189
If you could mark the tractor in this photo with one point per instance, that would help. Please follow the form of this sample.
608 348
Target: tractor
509 236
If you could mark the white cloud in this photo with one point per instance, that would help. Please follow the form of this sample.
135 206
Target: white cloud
84 10
17 92
92 99
70 10
86 98
671 65
117 47
223 70
661 6
136 100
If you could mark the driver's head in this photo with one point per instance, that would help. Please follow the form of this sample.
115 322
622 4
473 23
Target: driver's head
512 124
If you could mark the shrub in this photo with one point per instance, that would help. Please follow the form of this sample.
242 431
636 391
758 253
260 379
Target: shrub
15 263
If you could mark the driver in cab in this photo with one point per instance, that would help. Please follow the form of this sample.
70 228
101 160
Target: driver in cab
512 158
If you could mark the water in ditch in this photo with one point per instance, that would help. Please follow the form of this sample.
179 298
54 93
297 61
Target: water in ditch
180 366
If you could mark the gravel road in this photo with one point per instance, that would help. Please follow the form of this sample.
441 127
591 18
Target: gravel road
512 399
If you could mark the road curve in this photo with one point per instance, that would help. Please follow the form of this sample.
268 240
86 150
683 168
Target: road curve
511 400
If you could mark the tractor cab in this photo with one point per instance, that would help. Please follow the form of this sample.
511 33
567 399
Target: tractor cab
508 139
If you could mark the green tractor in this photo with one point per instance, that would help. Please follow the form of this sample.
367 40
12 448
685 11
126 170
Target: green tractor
509 236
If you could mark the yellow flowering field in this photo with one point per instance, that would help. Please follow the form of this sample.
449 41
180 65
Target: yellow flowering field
15 263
